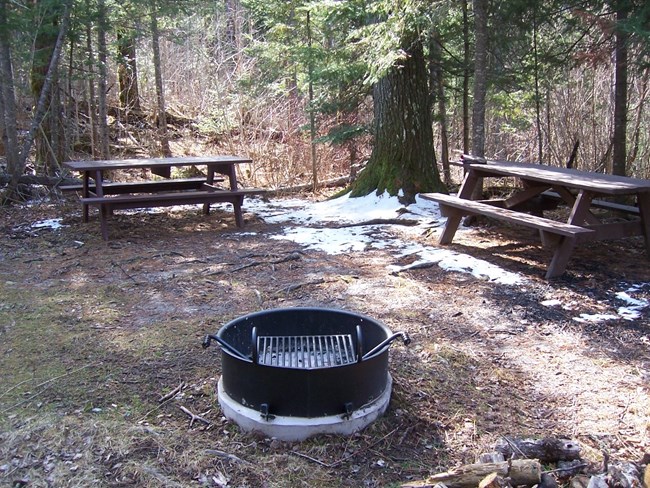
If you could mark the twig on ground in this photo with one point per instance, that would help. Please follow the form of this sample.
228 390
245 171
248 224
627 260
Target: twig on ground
194 417
155 408
15 386
225 455
124 271
407 222
172 393
568 469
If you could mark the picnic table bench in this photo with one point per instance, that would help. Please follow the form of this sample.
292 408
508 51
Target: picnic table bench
110 196
577 189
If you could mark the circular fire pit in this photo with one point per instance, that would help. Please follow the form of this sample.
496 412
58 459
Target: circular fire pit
294 372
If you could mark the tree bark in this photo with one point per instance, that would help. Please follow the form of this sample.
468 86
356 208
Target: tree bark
8 95
521 472
104 137
92 99
547 450
636 133
160 93
480 85
538 97
312 114
438 87
619 140
403 158
466 75
480 78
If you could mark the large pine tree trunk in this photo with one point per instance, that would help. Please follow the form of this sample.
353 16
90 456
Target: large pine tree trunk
403 157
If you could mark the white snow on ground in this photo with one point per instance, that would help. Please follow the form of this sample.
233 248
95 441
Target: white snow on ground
306 224
321 226
47 224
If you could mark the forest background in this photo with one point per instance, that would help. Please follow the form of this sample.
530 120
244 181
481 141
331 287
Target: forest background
291 84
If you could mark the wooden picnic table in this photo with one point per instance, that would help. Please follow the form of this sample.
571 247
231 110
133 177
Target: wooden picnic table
581 191
109 196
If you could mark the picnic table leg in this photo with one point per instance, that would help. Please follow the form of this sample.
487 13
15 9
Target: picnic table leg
104 209
239 217
561 257
644 211
580 213
210 181
454 216
85 192
103 220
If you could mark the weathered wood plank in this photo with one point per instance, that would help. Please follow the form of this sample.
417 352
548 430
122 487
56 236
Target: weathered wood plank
471 207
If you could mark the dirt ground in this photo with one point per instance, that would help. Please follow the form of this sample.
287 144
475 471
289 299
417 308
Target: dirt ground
93 334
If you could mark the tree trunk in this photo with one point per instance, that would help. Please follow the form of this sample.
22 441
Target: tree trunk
41 107
403 157
312 114
636 134
480 85
619 140
3 132
92 99
102 107
160 93
438 87
8 95
233 34
538 97
49 138
466 75
127 72
480 78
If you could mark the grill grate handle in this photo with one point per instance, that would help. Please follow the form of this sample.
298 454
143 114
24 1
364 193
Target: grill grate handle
211 337
405 337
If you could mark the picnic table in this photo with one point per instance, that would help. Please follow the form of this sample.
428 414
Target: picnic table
109 196
581 191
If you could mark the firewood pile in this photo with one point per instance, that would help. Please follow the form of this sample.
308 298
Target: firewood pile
541 463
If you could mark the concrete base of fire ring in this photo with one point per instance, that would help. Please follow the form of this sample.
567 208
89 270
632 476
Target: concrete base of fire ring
286 428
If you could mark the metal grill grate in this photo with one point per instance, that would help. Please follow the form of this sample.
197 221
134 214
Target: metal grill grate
306 352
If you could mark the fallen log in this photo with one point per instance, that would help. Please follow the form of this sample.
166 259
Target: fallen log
547 450
520 471
39 180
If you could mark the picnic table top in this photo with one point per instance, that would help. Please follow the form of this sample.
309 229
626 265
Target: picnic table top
110 164
572 178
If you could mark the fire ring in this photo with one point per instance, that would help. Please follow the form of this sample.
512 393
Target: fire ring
292 373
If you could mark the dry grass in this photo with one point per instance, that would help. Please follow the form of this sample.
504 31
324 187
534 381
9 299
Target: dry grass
93 335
